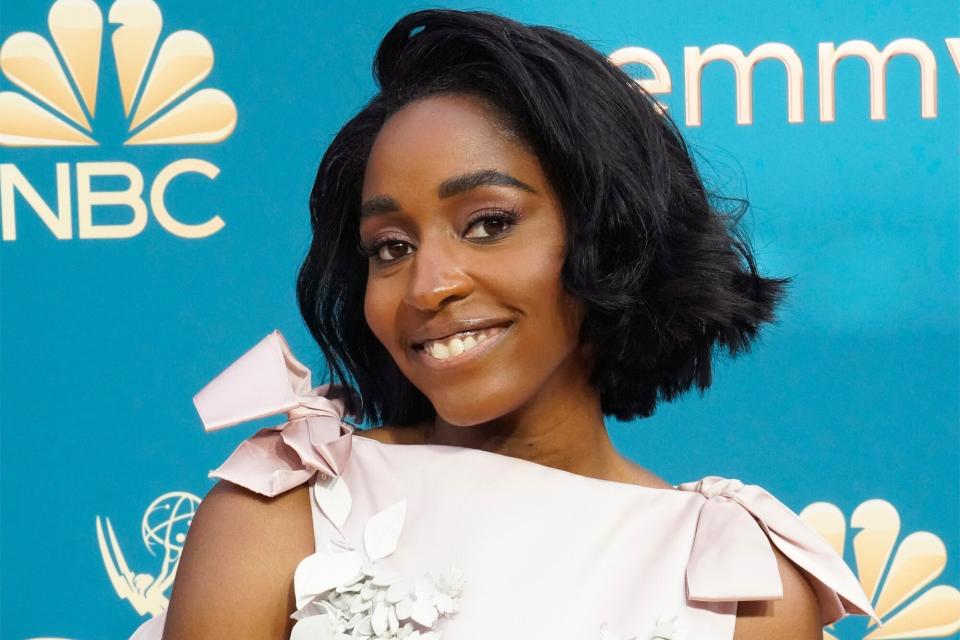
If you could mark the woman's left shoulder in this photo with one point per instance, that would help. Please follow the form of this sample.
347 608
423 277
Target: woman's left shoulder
751 548
633 473
796 615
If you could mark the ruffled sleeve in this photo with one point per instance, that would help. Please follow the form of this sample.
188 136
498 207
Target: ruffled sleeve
732 557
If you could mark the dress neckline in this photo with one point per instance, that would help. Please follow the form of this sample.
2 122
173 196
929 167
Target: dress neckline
522 461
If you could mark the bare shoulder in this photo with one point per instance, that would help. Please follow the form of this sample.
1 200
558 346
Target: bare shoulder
235 578
796 616
632 473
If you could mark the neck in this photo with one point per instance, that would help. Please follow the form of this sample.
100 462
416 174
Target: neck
562 430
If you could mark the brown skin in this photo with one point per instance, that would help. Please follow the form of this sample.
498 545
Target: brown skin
442 264
527 397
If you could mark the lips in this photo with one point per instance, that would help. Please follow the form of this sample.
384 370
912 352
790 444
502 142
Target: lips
441 331
467 358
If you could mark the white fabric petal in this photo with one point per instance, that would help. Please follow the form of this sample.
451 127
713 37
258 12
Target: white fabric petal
424 612
323 571
382 532
314 628
333 498
379 619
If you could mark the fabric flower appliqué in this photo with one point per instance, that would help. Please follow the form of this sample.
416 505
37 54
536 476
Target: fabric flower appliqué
344 594
666 629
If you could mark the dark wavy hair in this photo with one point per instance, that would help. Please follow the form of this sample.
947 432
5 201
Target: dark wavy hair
665 275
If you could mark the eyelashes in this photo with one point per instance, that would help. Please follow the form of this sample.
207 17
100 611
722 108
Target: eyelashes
507 217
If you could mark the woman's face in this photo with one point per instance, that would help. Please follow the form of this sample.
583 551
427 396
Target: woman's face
467 235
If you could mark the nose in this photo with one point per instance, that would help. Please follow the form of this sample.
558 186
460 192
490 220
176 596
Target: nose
437 276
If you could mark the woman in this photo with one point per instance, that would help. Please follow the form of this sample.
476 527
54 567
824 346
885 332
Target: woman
510 243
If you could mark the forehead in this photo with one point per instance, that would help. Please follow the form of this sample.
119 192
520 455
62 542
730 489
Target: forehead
433 138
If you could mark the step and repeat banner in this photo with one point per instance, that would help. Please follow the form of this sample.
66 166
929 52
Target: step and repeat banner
155 165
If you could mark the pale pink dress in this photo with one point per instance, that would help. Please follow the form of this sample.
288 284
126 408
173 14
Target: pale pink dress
536 552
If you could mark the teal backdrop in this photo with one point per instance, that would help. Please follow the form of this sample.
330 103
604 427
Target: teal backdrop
851 398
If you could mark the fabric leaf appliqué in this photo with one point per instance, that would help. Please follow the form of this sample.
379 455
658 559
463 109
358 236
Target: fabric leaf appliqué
333 498
382 532
343 593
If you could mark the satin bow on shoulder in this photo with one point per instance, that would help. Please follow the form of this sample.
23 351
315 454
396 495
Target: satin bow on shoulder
732 558
265 381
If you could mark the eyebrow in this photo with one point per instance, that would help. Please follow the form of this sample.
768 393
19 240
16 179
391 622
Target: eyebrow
449 188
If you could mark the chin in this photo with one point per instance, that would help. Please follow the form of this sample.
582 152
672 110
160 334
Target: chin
483 408
462 416
463 421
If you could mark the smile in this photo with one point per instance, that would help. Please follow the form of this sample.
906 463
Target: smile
460 348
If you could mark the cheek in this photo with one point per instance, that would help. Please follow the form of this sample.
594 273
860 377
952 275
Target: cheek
532 278
379 309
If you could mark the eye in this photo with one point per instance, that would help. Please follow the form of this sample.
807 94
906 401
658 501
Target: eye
492 225
499 221
388 250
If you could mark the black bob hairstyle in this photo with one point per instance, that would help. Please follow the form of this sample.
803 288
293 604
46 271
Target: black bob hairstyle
663 273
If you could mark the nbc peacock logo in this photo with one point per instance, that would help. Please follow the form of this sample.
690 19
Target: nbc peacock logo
59 115
896 577
56 105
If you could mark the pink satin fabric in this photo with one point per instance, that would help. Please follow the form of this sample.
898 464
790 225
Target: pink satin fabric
547 553
269 380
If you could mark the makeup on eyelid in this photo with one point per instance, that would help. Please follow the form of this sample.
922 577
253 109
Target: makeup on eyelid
509 216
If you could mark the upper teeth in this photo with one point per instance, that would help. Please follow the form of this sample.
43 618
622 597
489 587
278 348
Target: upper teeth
458 343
